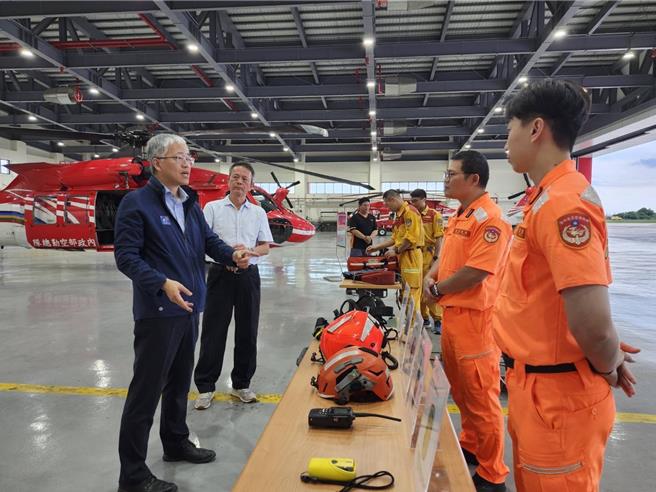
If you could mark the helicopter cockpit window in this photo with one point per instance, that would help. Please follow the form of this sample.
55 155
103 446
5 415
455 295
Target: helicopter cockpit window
265 202
45 210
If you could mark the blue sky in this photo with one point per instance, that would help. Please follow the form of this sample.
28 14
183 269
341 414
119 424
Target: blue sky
626 179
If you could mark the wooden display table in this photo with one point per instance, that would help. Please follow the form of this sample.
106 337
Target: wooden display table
287 443
356 284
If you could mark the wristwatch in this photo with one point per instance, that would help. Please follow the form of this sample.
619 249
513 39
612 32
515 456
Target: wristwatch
435 291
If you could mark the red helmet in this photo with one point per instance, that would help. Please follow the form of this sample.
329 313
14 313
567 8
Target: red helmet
354 373
353 329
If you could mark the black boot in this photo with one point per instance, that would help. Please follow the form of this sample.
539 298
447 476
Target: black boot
483 485
151 484
192 454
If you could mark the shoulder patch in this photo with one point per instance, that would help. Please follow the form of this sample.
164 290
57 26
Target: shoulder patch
480 214
408 222
574 230
590 195
542 199
491 234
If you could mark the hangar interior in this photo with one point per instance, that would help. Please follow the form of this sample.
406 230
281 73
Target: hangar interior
398 86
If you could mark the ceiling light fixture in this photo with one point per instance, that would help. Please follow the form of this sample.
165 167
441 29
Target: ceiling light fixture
230 87
628 55
372 112
368 41
523 79
32 117
371 84
254 115
217 160
285 149
498 109
272 134
560 33
140 117
26 53
481 130
94 91
114 149
60 144
96 156
295 159
467 146
192 47
374 148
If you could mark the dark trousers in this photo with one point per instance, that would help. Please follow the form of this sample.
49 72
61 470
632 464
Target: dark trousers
163 363
227 291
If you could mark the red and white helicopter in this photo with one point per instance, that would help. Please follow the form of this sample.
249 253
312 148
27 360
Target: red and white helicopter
73 206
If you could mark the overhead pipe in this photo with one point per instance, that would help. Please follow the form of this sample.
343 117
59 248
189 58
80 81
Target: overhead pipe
160 40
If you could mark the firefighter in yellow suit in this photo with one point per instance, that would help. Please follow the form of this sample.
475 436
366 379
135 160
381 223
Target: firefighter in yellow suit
406 242
433 232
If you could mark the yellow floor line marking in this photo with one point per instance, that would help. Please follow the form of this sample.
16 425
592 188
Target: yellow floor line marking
271 398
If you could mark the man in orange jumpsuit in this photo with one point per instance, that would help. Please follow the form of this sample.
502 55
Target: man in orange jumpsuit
466 282
433 232
552 319
406 242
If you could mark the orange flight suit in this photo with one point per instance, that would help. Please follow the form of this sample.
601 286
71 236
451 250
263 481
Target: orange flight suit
559 422
407 225
477 237
433 231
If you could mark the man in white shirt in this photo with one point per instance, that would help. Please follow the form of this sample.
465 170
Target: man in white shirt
243 225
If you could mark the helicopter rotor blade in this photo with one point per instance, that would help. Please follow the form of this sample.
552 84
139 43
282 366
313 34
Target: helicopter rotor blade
304 171
512 197
366 195
291 185
273 175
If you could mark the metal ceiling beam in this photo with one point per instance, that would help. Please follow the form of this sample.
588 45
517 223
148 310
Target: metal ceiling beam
208 52
319 148
238 42
442 38
313 66
574 44
297 116
19 34
566 14
55 57
373 114
16 9
94 33
592 26
340 90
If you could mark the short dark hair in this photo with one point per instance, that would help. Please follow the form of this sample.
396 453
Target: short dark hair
563 104
391 194
362 200
245 165
418 193
474 162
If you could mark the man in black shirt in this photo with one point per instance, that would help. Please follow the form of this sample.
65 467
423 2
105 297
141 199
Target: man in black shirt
362 225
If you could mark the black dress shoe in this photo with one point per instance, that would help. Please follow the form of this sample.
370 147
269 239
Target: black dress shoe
192 454
483 485
470 457
151 484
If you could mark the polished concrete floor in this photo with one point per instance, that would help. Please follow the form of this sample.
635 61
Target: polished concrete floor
65 322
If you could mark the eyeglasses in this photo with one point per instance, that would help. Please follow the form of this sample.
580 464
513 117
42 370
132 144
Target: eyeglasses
450 174
180 158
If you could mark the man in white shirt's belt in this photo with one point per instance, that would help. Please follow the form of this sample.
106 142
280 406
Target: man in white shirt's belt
243 225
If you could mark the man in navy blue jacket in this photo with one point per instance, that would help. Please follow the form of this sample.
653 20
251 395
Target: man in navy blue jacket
161 238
